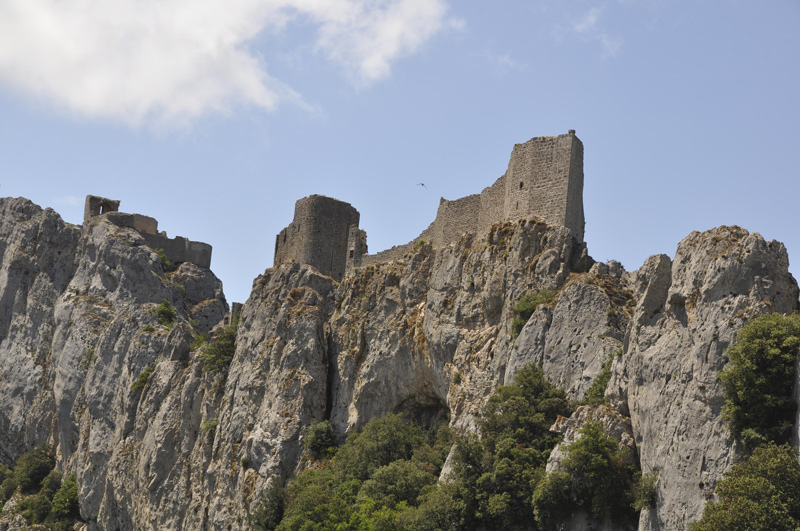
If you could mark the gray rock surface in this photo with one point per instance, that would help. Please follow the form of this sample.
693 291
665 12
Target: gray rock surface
428 334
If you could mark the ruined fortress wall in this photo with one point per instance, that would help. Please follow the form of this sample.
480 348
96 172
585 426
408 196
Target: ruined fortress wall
575 220
545 179
493 205
180 249
318 235
399 251
177 250
454 218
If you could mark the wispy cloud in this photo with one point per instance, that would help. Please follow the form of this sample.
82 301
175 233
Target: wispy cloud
503 63
175 60
589 27
69 200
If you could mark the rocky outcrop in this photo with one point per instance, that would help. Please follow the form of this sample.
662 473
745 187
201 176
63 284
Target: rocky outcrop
428 334
688 312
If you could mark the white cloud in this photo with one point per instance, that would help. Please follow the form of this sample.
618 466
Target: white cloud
589 27
175 60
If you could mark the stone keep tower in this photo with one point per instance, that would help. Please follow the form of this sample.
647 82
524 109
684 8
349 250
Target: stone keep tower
318 235
545 179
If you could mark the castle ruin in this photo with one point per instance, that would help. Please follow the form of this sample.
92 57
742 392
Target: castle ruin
544 179
177 250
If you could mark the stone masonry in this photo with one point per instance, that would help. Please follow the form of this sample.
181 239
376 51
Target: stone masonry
177 250
544 180
318 235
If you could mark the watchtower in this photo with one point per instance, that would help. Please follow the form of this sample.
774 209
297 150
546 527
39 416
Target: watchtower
318 235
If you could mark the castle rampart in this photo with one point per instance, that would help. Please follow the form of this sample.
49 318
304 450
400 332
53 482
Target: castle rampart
318 235
177 250
544 179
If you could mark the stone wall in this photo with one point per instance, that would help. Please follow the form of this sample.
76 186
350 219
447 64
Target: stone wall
95 206
493 205
180 249
544 180
177 250
454 218
318 235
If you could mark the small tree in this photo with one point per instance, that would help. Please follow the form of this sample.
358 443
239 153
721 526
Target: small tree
759 380
217 356
319 438
33 467
760 494
65 500
166 313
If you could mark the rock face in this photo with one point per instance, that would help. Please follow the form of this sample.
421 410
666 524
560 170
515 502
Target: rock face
428 334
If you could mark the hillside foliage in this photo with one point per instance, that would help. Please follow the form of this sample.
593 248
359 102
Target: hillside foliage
386 477
759 380
760 494
45 498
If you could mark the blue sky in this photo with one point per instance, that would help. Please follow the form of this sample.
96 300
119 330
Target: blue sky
215 117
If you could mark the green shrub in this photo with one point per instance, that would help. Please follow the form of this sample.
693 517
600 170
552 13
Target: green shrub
596 394
166 264
35 508
33 467
552 500
644 491
8 488
399 481
319 438
759 380
65 500
600 481
217 356
269 511
142 379
209 425
51 484
5 472
198 341
759 494
166 313
501 469
526 306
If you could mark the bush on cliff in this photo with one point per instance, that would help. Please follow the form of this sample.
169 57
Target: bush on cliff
217 356
598 476
760 494
525 308
759 380
385 477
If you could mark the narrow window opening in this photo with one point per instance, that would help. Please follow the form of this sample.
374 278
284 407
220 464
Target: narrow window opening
351 253
520 185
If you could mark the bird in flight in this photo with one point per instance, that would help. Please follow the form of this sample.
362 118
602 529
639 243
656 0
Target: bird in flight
422 185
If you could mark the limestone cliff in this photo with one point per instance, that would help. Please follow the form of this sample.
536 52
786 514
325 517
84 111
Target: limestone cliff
429 334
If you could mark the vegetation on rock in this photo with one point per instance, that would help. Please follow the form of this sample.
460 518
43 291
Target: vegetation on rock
598 477
385 477
166 313
142 379
44 499
217 356
760 494
525 308
759 380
